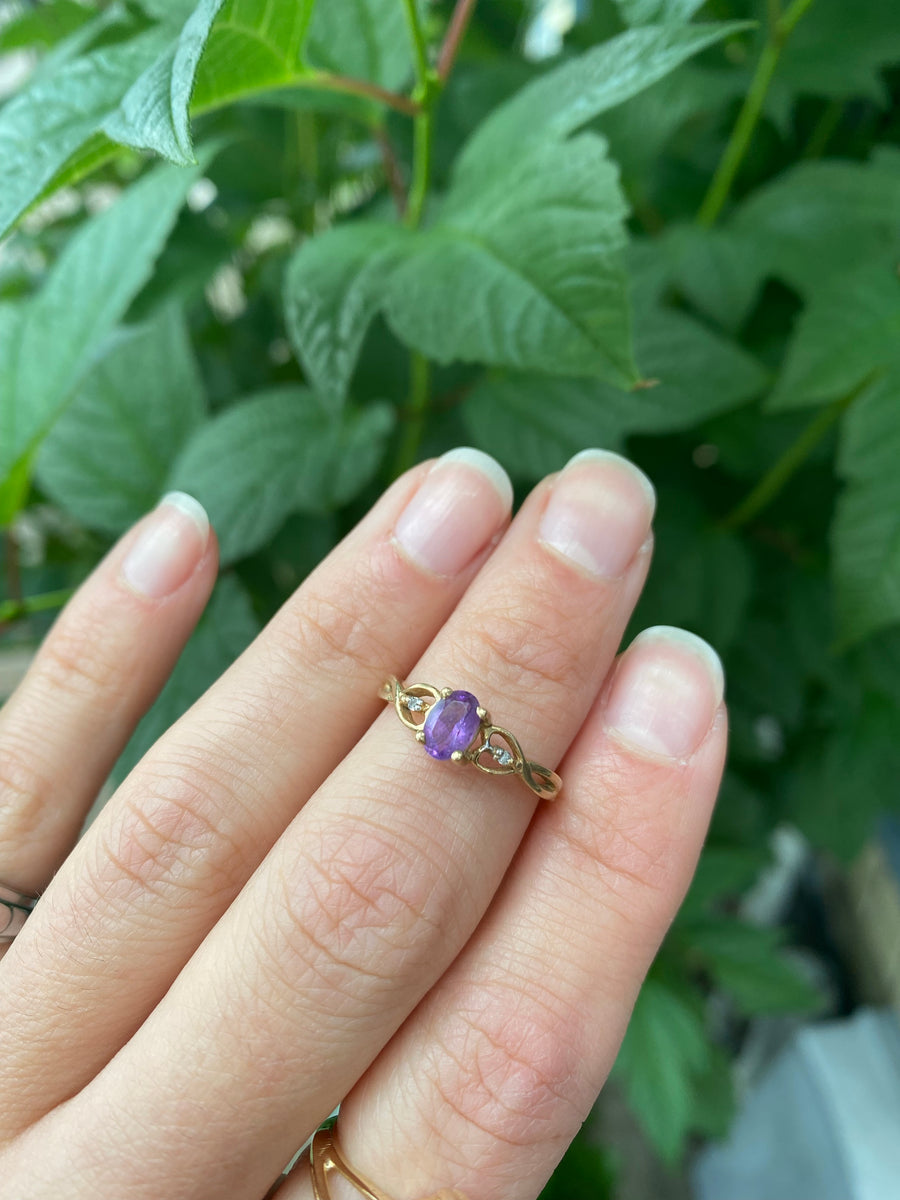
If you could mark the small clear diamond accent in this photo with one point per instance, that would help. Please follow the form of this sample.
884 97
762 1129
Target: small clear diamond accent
501 756
415 703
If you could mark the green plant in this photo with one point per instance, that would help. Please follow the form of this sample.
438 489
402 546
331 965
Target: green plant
382 230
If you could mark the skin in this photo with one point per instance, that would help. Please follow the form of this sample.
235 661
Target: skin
288 904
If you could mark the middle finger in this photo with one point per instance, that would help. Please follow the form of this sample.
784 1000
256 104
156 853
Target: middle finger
186 829
375 886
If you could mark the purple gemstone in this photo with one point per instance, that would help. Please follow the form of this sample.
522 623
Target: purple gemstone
451 724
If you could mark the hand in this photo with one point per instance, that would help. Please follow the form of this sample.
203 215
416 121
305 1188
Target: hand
289 904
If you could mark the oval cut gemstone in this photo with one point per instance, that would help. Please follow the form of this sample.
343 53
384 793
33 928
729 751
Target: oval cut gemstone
451 724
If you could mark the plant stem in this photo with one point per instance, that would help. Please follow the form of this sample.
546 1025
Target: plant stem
392 173
357 87
414 424
742 134
456 31
825 127
781 472
429 86
417 35
11 610
423 137
13 573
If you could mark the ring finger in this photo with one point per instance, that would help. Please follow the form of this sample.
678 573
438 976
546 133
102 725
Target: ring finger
490 1079
374 887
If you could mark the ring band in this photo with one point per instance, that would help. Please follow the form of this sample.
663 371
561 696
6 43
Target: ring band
452 725
325 1158
15 908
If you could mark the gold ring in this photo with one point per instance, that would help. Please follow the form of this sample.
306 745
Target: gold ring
453 725
325 1158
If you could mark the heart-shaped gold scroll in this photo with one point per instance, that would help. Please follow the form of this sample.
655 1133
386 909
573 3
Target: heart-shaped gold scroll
494 750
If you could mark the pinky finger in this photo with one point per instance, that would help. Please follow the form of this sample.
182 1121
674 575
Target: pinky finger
489 1080
100 668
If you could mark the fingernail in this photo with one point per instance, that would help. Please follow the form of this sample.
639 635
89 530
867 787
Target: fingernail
599 512
665 693
171 543
464 500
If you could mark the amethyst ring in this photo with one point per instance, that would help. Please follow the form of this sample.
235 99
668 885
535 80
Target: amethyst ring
453 725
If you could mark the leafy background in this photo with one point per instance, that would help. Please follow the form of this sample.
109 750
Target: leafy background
274 251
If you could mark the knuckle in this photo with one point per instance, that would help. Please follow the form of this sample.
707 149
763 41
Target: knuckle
162 838
618 838
340 637
529 647
69 952
81 660
510 1067
360 911
22 787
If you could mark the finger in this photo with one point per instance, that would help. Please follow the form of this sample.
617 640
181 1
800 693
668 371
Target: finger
490 1079
378 882
100 668
186 829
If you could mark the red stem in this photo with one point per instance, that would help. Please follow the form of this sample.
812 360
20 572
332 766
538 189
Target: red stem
361 87
456 31
392 171
13 574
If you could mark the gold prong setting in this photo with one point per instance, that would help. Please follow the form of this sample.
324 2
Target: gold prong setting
462 731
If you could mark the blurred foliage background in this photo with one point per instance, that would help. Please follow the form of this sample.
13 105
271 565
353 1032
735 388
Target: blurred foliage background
386 227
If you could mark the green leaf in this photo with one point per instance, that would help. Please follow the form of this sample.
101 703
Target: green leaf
585 1173
526 272
723 873
569 96
767 672
748 963
664 1050
816 223
153 114
84 295
851 330
647 12
44 26
365 39
641 129
43 126
174 11
226 628
107 458
877 664
275 454
89 157
714 1097
835 53
810 227
14 490
536 423
866 531
254 45
720 271
333 288
843 778
700 578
